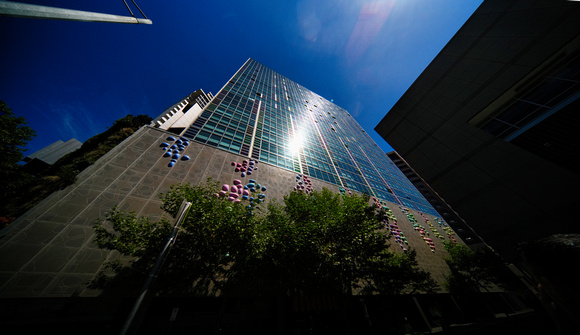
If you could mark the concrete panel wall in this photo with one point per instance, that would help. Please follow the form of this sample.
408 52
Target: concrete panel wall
48 252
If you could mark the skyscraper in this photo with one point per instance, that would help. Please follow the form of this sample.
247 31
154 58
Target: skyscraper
268 117
180 116
258 115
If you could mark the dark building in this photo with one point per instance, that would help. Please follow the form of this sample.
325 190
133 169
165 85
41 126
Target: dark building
447 213
492 126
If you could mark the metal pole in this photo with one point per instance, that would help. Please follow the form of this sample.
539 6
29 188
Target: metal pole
17 9
181 214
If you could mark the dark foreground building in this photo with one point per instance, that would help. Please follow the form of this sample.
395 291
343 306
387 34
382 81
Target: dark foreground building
492 123
459 225
300 140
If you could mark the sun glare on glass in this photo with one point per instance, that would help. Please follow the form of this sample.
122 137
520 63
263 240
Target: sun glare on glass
296 143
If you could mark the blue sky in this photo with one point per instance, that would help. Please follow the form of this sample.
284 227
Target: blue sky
73 79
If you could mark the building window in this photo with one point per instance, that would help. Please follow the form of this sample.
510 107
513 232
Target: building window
538 98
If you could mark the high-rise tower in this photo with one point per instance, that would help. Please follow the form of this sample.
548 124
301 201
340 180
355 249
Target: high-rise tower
258 115
268 117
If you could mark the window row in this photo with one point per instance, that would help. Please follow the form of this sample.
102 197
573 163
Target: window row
219 141
280 161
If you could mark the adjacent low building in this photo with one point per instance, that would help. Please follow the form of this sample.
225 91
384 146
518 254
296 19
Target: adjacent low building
50 154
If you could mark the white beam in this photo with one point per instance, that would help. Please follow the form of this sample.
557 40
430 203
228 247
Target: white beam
15 9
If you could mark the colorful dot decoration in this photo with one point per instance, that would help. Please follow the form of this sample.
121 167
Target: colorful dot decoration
344 191
246 167
391 225
173 150
448 231
237 192
303 183
420 229
380 203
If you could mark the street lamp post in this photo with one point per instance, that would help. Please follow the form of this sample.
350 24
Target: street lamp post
181 214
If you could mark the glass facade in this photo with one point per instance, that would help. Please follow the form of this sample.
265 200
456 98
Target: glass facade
268 117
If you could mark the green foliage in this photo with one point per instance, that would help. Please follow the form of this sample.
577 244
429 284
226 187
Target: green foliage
133 236
21 191
310 244
98 145
14 135
324 242
473 271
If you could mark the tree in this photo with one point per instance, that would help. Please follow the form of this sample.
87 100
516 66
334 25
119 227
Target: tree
473 271
14 135
323 242
316 243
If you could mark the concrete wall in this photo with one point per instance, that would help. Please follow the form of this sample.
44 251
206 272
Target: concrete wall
48 252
